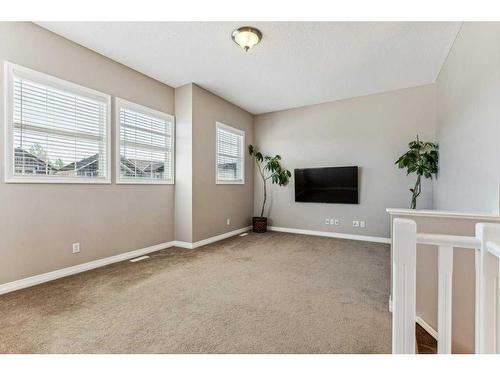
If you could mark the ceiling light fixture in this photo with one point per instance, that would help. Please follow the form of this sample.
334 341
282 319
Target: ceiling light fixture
246 37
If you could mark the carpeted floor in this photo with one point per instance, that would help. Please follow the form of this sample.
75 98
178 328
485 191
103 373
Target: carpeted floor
426 344
263 293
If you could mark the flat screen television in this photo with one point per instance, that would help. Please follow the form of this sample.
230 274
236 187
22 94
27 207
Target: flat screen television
327 185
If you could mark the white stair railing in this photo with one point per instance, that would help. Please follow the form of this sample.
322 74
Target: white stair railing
486 245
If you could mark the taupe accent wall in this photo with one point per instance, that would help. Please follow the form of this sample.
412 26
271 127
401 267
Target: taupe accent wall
212 203
39 222
202 206
468 125
370 132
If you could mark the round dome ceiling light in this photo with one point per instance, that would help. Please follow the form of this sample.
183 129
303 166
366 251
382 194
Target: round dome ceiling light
246 37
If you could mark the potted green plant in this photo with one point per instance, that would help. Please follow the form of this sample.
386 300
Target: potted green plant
270 168
422 159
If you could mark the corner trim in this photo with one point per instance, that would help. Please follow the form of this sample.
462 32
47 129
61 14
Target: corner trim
63 272
183 244
345 236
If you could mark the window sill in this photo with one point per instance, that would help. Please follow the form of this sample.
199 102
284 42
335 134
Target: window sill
43 180
146 182
237 182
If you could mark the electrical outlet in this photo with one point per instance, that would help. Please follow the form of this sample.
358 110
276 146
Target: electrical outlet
327 221
337 222
332 221
76 248
362 224
228 221
355 223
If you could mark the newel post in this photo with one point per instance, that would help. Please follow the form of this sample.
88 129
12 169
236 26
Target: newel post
488 291
404 286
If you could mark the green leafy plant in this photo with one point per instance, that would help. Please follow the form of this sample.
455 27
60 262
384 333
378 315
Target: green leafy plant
59 164
422 159
270 168
38 150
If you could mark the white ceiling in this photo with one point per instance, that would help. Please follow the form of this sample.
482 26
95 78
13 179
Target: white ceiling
296 64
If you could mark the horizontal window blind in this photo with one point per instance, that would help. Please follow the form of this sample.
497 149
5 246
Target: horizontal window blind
146 146
57 133
230 144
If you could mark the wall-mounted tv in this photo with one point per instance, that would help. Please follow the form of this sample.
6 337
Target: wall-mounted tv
327 185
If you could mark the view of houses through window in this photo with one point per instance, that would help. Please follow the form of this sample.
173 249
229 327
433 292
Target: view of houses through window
230 158
59 132
58 129
145 144
36 161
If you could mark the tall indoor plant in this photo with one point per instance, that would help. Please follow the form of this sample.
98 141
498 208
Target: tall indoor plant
422 159
270 168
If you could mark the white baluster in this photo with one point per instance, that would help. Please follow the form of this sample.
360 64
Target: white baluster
404 286
488 289
477 264
498 308
445 274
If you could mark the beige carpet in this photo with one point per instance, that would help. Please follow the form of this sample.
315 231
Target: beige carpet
263 293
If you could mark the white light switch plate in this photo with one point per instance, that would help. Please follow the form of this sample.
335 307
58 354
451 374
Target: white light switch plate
76 248
362 224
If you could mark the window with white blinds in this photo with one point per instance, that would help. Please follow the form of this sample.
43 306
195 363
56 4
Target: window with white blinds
230 158
56 131
144 144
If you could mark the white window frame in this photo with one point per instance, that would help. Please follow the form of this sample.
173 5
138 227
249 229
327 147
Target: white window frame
220 125
122 103
10 70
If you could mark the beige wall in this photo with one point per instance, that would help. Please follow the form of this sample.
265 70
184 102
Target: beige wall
213 204
371 132
468 125
39 222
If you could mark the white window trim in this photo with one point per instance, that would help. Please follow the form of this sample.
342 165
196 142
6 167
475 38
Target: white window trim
119 103
220 125
9 70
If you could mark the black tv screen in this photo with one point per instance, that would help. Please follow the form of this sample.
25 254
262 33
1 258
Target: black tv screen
327 185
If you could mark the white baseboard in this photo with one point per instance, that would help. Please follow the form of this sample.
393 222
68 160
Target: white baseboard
331 234
428 328
53 275
206 241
